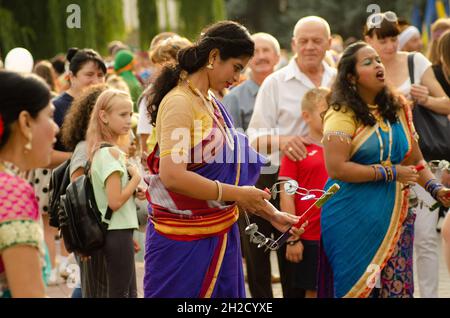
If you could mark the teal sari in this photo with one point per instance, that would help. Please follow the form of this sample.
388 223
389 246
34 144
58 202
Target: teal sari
362 224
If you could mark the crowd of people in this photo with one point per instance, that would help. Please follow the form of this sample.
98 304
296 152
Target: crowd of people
187 143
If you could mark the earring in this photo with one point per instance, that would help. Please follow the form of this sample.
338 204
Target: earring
28 146
210 66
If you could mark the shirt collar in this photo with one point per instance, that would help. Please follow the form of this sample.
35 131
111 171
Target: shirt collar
293 71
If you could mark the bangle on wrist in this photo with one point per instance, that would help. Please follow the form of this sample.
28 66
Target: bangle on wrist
219 190
293 242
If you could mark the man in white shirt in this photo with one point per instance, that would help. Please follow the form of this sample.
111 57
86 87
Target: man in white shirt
276 127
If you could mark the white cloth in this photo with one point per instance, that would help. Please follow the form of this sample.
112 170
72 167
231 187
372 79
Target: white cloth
426 245
144 126
407 35
421 64
277 107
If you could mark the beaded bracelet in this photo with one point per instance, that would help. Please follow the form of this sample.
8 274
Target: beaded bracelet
433 187
383 173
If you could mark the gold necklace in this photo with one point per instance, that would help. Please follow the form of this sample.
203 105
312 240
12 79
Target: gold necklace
222 126
388 161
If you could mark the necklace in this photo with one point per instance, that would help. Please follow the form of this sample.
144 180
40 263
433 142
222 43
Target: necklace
387 162
215 113
9 168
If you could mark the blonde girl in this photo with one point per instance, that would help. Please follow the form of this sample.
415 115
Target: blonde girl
114 182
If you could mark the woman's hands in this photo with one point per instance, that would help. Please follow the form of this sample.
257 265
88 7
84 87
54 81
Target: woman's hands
443 196
251 199
294 253
407 174
420 93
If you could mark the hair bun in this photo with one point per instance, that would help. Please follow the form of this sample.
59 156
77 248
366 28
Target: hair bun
71 53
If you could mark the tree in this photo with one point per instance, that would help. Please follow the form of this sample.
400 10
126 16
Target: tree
278 17
148 21
41 26
195 15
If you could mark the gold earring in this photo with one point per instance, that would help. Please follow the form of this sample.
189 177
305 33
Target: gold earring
28 146
210 66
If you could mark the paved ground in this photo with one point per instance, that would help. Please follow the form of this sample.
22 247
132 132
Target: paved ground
63 291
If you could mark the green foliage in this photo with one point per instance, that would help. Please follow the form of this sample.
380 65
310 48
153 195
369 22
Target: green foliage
148 21
278 17
195 15
42 25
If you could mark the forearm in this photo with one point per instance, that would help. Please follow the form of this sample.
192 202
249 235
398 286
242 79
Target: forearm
269 143
187 183
57 158
125 194
287 203
440 105
351 172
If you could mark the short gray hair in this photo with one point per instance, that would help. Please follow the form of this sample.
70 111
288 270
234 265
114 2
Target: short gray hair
312 18
269 38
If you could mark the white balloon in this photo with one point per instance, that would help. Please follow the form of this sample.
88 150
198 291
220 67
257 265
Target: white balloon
19 60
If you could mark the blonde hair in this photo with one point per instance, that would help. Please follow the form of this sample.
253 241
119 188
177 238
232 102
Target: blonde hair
167 50
444 49
313 97
437 29
98 132
117 82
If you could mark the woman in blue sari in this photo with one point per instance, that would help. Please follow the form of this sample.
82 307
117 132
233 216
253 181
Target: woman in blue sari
371 151
203 172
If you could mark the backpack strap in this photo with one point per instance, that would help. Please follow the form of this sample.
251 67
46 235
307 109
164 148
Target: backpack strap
87 169
411 66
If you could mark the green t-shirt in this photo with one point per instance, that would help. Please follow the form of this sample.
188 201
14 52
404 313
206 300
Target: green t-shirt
103 165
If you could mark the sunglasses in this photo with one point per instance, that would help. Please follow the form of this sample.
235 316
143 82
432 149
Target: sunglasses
375 19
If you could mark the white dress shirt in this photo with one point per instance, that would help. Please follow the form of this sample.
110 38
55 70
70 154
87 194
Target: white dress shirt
278 104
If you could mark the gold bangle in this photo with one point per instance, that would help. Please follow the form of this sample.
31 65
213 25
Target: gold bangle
219 190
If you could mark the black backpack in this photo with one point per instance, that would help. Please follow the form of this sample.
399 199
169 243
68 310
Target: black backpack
59 181
80 220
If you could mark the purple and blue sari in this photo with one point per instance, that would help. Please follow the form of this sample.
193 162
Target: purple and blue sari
193 246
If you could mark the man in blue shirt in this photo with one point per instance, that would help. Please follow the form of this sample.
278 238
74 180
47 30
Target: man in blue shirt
241 100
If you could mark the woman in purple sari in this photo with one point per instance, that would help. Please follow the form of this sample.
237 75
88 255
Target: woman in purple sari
203 172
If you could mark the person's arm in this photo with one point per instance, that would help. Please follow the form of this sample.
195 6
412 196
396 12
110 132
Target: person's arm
23 271
339 166
143 138
425 175
430 94
264 120
57 158
117 196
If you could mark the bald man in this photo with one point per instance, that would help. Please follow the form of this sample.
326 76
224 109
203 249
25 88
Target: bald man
276 127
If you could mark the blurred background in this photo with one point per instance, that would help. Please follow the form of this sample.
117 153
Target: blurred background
41 25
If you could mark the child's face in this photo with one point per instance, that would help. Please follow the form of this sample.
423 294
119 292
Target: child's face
119 117
314 119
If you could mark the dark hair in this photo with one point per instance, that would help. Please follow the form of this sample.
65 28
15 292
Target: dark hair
384 30
78 58
77 119
231 39
59 64
343 94
20 93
